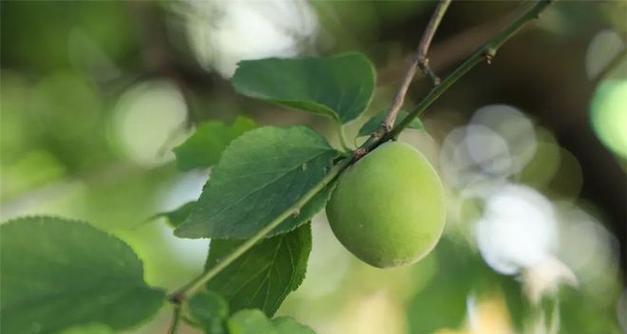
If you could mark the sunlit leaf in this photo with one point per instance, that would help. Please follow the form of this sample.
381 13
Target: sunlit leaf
58 274
287 325
255 322
340 86
204 148
250 322
260 176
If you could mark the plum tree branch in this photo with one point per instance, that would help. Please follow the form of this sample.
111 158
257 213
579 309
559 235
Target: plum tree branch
427 37
176 319
181 294
420 60
487 52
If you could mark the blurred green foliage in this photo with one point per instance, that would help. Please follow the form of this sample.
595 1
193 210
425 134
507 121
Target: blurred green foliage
41 33
65 65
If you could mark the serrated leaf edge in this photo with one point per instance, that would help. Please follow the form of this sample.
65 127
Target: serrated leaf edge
140 323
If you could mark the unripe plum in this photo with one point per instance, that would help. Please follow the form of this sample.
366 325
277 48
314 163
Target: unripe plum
388 208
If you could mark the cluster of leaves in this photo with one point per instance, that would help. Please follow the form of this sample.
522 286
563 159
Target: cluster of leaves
260 176
58 273
70 273
210 312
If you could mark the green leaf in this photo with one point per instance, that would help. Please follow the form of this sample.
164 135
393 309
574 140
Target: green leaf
177 216
255 322
375 121
209 310
264 275
58 274
287 325
250 322
88 329
204 147
340 86
262 174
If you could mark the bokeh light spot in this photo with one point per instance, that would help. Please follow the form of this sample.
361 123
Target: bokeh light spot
222 33
609 115
518 229
604 46
146 116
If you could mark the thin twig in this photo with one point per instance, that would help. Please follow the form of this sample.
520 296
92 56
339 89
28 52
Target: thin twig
427 37
420 60
176 320
487 52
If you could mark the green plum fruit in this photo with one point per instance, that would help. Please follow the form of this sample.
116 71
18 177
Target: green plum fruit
388 208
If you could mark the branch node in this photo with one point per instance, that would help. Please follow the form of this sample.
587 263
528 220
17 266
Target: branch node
419 61
176 298
423 64
359 153
489 55
387 127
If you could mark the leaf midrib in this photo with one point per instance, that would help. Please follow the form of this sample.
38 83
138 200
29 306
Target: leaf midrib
264 185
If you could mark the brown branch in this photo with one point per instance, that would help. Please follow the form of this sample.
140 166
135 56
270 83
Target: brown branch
176 319
486 52
427 37
464 43
420 61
